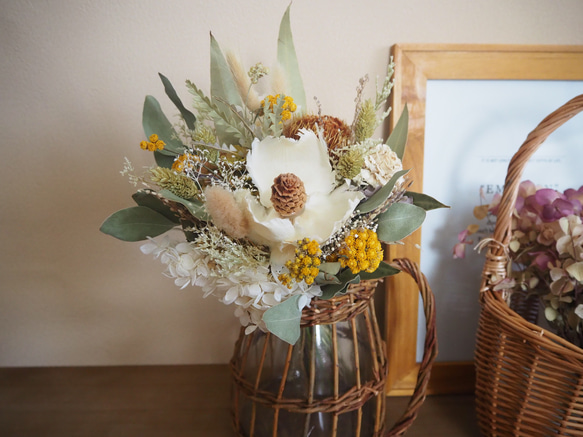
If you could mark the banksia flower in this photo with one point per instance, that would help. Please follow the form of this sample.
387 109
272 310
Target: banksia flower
366 122
350 164
178 184
288 195
336 132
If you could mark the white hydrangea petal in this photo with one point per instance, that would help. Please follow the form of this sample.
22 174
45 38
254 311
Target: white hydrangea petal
249 329
303 301
230 296
269 300
182 282
184 248
148 248
253 290
187 262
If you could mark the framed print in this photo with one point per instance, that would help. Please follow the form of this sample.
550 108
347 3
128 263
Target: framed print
470 108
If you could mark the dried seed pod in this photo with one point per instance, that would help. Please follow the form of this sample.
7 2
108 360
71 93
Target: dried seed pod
336 132
288 194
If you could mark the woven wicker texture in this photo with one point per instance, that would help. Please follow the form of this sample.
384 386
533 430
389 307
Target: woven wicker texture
358 301
529 382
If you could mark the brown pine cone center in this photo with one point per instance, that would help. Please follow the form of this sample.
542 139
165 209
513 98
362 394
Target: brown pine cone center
288 195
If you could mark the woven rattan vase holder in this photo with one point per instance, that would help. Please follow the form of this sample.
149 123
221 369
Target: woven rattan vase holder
342 376
529 382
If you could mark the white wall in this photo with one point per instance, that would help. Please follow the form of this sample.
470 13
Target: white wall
73 78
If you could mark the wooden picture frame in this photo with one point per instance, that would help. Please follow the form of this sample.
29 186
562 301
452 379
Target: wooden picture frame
415 64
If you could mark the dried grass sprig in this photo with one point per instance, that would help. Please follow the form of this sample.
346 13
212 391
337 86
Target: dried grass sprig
176 183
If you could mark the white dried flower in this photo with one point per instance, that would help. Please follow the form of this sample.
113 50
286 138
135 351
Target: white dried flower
253 290
380 164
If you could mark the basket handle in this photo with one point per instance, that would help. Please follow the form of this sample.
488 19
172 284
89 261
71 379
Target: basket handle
497 254
430 347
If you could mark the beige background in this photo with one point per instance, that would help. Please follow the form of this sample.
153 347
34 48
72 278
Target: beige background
73 79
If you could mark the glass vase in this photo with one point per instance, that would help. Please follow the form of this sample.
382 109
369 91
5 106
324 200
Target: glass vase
329 384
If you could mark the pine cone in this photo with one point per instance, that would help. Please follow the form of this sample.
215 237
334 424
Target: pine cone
288 194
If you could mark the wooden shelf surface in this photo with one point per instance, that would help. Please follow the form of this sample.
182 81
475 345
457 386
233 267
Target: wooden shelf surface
173 401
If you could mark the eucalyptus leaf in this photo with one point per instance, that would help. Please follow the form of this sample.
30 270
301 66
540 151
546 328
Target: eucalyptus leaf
222 82
155 122
188 116
149 200
331 268
398 138
424 201
283 320
164 160
286 56
195 207
399 221
223 89
382 271
345 278
378 198
136 224
323 278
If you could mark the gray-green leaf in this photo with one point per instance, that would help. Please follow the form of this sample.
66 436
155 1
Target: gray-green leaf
382 271
398 138
424 201
286 56
330 268
283 320
188 116
399 221
345 278
377 199
222 83
155 122
149 200
195 207
164 160
136 224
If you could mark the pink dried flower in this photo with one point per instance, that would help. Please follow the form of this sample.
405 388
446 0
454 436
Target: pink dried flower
546 253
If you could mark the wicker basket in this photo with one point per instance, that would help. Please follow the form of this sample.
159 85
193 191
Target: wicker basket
529 381
264 405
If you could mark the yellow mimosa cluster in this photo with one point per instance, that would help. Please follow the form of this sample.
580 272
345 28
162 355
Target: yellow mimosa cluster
154 144
287 108
361 251
305 265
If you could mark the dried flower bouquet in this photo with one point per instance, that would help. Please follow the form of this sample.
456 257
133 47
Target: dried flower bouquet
274 205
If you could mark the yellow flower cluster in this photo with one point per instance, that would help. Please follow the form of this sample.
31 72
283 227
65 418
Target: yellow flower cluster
361 251
287 108
154 144
304 267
